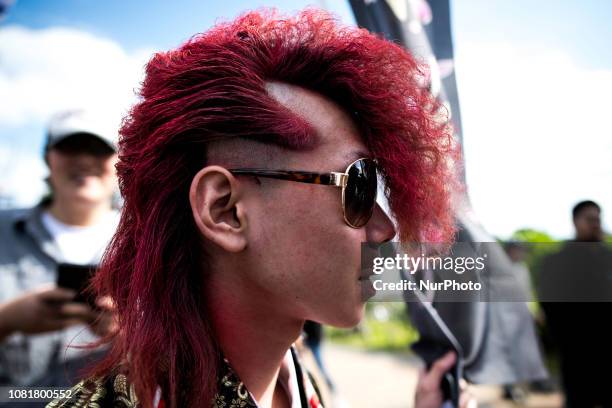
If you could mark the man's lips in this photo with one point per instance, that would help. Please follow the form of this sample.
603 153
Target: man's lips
368 262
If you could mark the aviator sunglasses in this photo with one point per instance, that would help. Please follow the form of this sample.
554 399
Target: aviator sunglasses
359 185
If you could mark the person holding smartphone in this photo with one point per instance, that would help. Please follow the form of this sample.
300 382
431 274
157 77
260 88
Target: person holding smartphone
72 225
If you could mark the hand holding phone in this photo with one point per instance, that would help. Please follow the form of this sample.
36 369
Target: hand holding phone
42 310
438 385
77 278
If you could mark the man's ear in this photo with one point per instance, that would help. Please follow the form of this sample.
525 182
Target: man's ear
217 208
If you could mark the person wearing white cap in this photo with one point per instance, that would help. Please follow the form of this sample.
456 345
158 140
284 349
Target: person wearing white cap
72 226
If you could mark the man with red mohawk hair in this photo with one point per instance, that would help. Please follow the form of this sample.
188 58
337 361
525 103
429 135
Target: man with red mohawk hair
250 170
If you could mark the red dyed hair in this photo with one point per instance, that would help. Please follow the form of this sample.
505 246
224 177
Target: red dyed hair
213 87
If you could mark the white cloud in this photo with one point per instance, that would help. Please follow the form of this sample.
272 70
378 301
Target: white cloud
537 137
44 71
23 176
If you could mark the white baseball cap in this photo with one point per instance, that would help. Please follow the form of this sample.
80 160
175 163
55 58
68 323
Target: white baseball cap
80 122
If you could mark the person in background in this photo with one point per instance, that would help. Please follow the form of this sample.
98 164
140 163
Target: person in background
586 216
72 225
575 293
517 252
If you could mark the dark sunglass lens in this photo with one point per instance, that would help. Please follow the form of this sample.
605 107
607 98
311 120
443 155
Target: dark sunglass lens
360 192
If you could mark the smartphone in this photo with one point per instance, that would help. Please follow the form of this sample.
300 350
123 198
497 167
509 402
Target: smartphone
77 277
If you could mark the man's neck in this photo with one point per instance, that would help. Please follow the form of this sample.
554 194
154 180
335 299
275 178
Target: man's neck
77 214
253 338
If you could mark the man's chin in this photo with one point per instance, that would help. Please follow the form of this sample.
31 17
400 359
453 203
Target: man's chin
349 319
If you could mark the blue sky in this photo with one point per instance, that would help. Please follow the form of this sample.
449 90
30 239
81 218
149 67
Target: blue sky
534 82
134 24
582 28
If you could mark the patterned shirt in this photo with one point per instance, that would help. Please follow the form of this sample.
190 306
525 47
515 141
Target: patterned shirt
117 392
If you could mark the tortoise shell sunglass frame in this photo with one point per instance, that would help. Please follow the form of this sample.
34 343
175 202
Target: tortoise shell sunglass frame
359 185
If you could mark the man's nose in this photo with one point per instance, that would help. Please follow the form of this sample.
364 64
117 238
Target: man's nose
380 228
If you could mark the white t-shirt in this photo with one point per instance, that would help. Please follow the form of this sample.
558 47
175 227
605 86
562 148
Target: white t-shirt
81 245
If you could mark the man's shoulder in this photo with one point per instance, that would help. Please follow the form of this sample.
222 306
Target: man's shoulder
9 216
114 391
